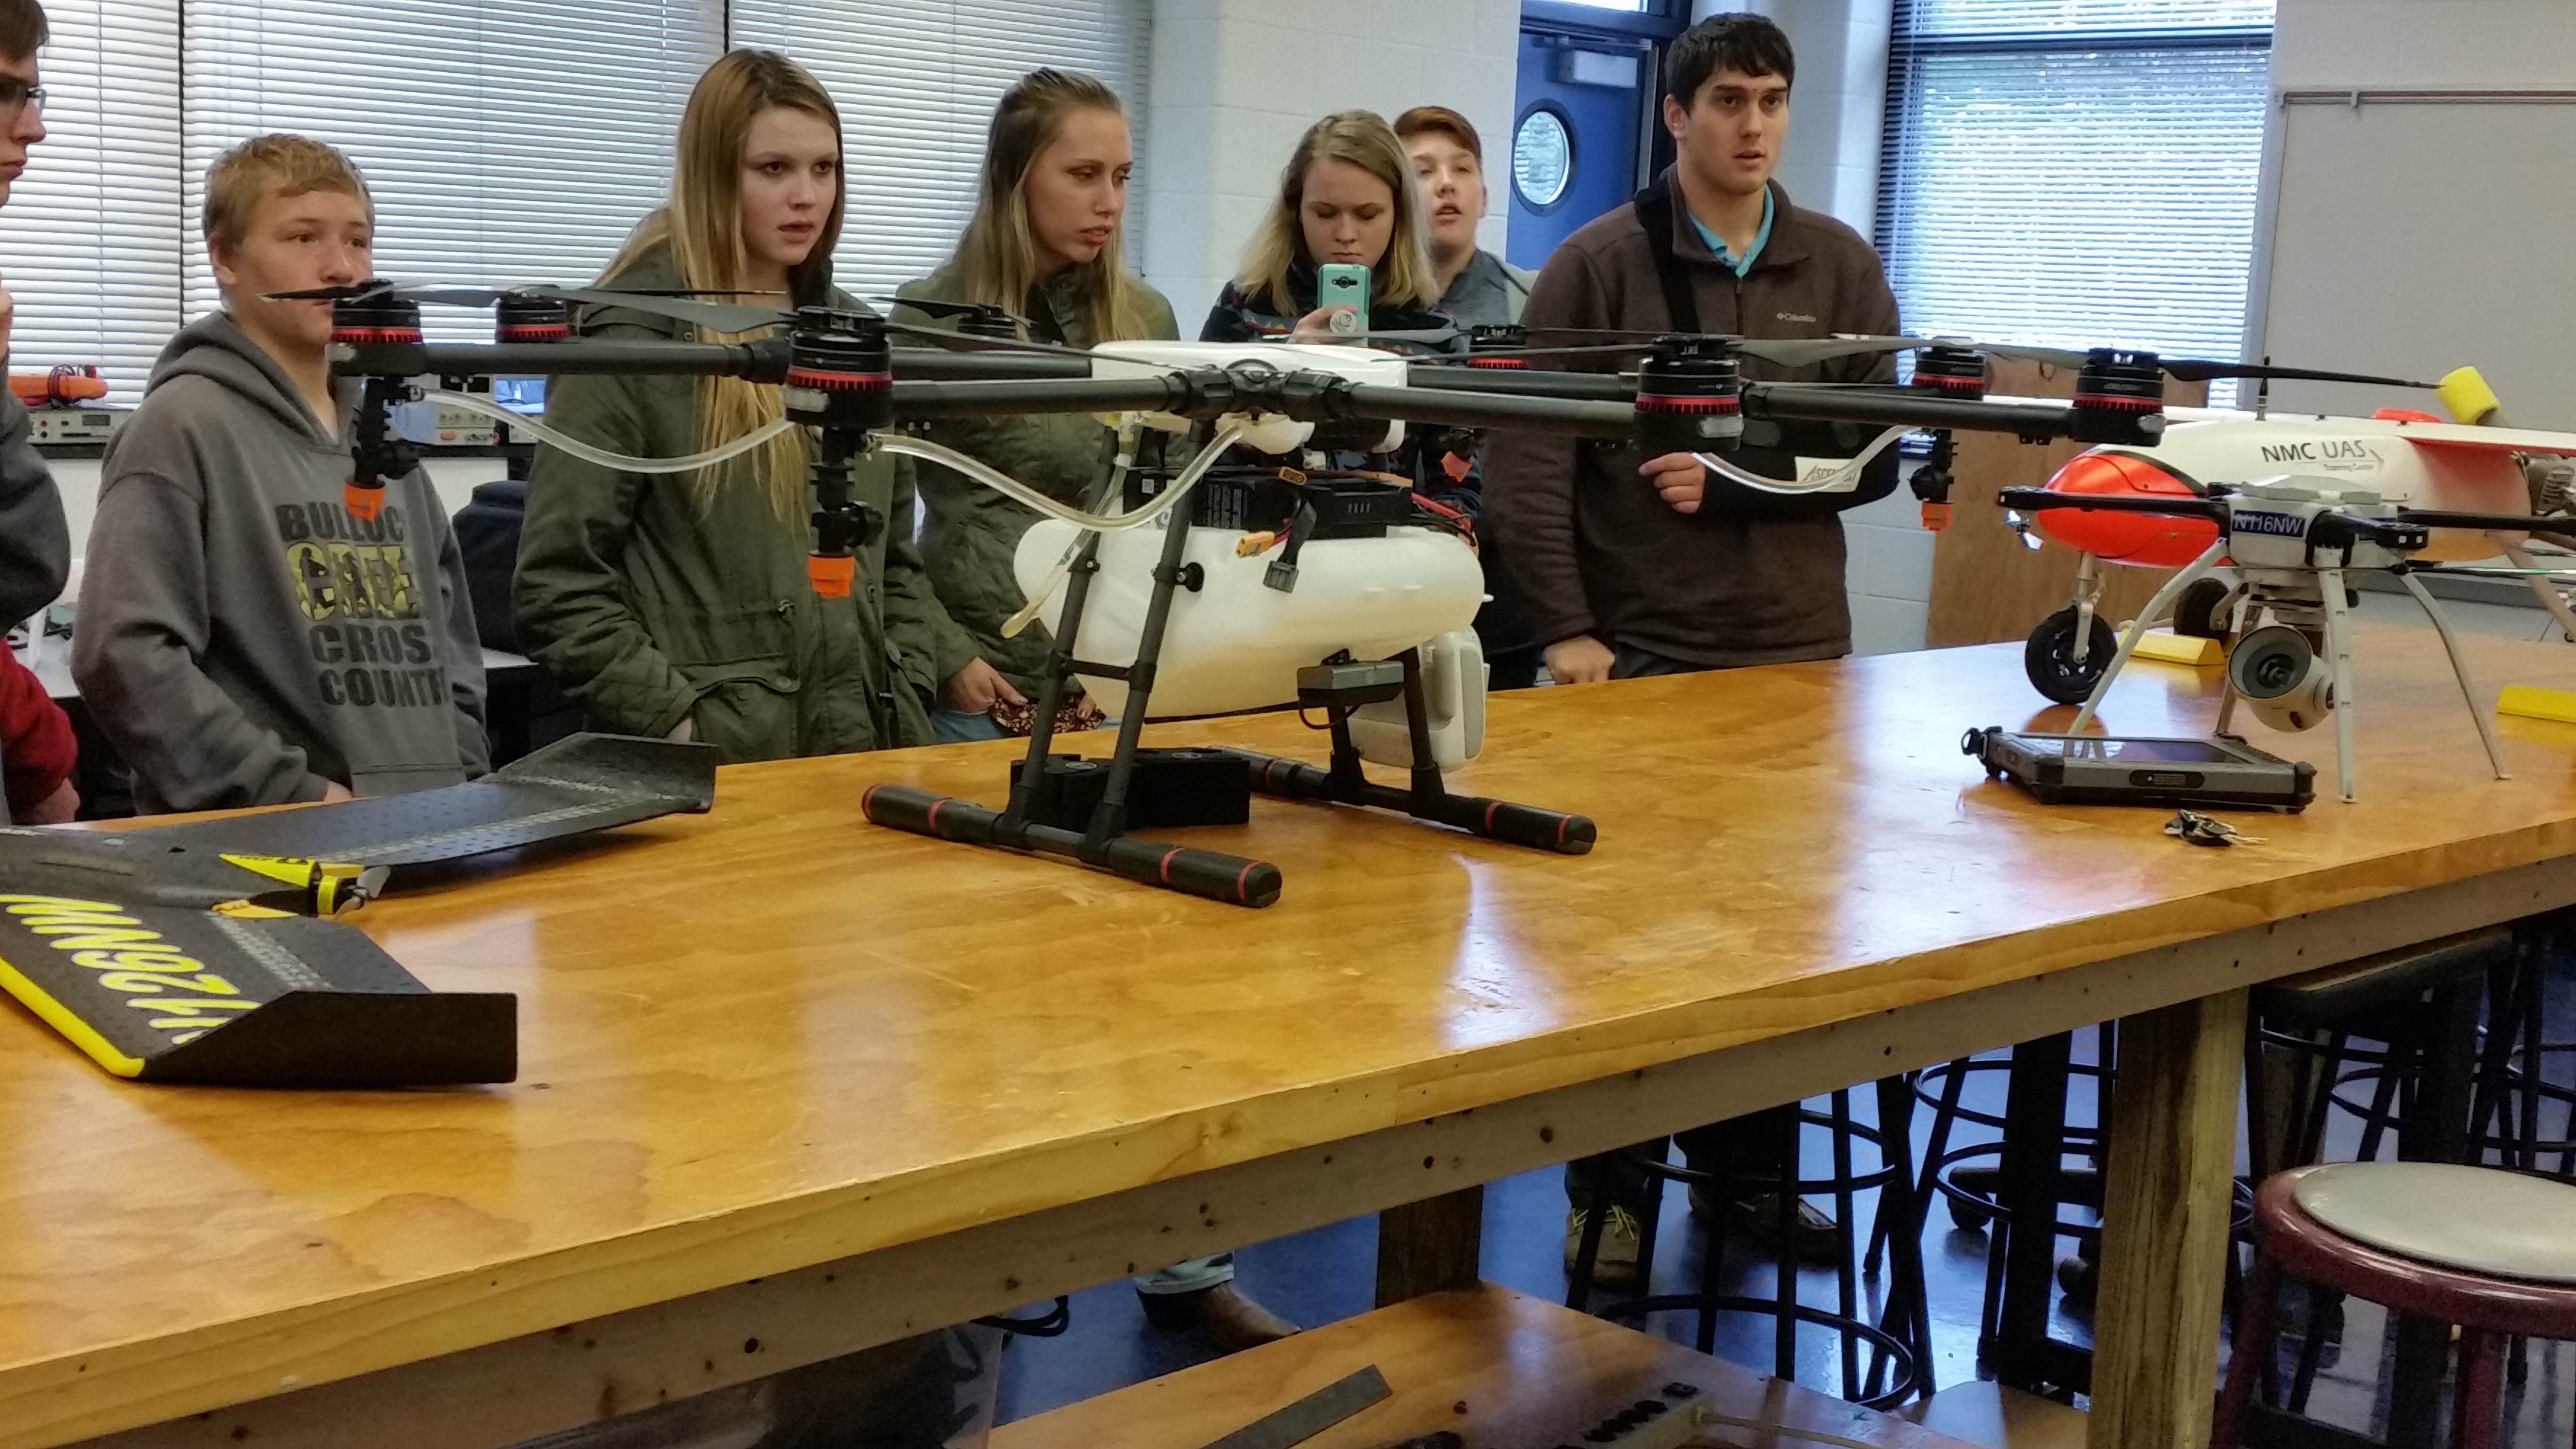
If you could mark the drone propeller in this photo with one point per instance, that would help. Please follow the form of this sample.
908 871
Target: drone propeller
941 307
1429 336
2186 369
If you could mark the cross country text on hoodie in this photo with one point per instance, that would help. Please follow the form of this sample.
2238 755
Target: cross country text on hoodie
242 639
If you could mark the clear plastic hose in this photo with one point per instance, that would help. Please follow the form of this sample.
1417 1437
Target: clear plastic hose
1013 488
1845 477
1187 479
590 453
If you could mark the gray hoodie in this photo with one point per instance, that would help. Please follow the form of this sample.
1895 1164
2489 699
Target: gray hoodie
242 639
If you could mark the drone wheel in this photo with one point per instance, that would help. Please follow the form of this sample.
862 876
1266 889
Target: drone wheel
2049 657
2201 614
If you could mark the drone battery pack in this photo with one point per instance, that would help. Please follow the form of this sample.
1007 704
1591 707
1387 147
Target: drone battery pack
2171 773
1170 788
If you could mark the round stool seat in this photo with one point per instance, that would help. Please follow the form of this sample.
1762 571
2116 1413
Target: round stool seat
2473 1219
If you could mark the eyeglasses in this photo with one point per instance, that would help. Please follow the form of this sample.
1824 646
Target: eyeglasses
17 96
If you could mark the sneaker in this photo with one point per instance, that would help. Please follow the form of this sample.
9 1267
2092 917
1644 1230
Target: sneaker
1614 1262
1235 1322
1756 1214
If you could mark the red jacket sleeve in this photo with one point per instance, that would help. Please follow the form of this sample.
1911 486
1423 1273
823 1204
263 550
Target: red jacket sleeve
37 750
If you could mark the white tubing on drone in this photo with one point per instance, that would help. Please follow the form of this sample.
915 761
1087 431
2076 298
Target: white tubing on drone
1845 477
1010 487
1184 481
589 453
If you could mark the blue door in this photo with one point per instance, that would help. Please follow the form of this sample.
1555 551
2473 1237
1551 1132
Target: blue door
1578 134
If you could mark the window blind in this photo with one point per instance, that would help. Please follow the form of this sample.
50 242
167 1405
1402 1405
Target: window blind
503 143
89 242
2075 172
915 81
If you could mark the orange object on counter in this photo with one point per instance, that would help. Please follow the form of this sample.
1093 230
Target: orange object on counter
62 387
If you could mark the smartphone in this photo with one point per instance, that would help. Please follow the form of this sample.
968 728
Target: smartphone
1344 284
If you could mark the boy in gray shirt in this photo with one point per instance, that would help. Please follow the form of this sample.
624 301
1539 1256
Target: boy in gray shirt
244 638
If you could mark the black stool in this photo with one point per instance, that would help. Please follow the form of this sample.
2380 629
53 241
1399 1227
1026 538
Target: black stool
1975 1189
2515 1088
1900 1341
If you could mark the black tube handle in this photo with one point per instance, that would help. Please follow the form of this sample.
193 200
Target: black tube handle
1288 779
1526 825
1210 874
924 812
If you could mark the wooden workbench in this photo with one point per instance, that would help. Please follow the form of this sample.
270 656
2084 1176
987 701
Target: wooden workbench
792 1085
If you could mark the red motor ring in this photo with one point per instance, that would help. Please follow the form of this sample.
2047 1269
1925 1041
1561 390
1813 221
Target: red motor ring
839 381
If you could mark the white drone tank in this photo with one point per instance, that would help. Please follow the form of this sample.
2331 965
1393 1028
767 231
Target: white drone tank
1236 644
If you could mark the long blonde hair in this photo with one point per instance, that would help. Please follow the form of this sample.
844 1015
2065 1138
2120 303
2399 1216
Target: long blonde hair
1363 139
997 254
702 227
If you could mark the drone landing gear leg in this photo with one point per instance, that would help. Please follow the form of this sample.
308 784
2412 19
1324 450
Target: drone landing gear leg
2339 656
2547 592
2459 669
1426 798
1231 879
2156 607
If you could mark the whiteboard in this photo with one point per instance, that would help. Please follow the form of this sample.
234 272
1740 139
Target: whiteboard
2409 239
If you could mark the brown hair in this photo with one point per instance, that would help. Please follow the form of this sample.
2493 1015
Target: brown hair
263 166
1363 139
1444 120
996 257
701 226
22 28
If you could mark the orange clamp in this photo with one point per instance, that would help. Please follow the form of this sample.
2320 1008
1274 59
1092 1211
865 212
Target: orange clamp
363 501
1936 516
831 575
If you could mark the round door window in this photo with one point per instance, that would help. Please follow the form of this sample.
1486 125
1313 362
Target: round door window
1542 158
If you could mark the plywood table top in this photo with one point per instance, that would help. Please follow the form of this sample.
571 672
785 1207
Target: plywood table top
776 1036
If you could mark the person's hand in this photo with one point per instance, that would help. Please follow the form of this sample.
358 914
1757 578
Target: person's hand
1579 660
333 792
1680 477
977 688
685 732
60 808
1317 326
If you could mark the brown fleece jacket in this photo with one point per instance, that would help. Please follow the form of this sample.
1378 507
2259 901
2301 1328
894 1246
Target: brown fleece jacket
1595 549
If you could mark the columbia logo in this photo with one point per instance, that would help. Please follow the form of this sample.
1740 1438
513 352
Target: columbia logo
2287 525
1796 317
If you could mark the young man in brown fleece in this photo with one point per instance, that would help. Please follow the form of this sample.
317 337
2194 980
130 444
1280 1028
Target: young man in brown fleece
1633 565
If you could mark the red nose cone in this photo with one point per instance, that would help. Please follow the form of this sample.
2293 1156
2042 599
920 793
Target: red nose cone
2139 539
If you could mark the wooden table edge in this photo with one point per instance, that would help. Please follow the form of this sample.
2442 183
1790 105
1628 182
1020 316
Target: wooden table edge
690 1341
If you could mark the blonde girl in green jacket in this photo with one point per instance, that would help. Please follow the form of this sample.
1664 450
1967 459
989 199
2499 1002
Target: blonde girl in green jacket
1043 243
678 604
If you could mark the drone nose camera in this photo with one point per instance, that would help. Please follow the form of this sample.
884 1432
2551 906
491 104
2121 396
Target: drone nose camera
2278 672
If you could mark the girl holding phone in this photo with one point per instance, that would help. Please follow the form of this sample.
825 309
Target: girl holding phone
679 604
1347 198
1044 243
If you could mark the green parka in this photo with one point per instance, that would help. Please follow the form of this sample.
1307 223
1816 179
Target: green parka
651 598
970 533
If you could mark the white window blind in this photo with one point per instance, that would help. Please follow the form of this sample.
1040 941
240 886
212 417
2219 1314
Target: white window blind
503 143
2075 172
915 81
89 242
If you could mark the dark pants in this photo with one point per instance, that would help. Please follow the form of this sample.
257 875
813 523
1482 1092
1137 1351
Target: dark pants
1754 1144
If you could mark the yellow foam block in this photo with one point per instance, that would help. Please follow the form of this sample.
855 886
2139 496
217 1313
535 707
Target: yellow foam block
2466 396
2176 648
2533 702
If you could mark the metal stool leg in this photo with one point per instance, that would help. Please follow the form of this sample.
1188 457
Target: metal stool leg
2253 1345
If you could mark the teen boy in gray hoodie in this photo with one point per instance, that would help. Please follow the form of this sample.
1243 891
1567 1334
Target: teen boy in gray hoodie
243 639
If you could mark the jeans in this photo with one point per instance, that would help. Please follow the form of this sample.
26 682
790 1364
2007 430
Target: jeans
959 727
1755 1143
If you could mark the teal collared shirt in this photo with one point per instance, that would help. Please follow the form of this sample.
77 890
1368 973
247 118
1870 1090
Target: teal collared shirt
1761 238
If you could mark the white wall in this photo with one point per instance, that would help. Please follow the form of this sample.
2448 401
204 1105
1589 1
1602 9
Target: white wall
1236 82
2423 44
1839 107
